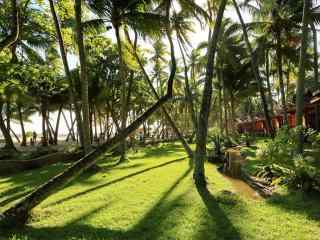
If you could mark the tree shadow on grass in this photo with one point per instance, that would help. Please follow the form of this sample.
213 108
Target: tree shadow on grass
298 201
224 227
159 151
147 228
115 181
156 223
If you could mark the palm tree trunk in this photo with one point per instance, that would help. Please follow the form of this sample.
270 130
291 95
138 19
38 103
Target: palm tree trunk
315 52
268 83
68 74
301 77
233 114
23 132
8 115
280 75
56 132
226 117
44 141
188 90
83 78
256 73
202 131
123 94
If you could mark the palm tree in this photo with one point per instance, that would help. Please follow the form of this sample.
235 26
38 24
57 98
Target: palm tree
158 71
83 77
301 77
132 15
202 131
255 69
20 212
67 71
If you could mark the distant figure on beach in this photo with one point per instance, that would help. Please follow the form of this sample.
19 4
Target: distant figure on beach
34 135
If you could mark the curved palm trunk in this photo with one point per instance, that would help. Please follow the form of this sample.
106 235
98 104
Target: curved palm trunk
256 73
83 78
301 77
67 73
202 131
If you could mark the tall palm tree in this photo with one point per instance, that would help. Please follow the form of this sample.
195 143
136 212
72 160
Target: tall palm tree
255 69
202 131
121 15
67 71
83 77
20 212
301 77
164 110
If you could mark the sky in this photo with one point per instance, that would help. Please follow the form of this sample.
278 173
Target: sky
198 36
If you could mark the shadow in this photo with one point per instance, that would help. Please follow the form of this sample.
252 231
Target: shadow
298 201
77 230
113 167
224 227
160 151
115 181
14 197
149 224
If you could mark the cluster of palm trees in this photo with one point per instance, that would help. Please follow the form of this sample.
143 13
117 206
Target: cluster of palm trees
173 84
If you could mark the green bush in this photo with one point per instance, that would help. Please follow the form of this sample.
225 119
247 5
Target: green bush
284 165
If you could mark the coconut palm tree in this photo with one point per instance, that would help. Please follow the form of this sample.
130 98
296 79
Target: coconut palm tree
202 131
71 88
120 15
255 69
302 74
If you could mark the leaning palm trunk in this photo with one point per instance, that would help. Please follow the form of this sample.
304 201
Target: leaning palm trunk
256 73
163 108
301 76
20 212
202 131
83 78
67 73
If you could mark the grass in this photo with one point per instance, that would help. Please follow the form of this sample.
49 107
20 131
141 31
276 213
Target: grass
153 197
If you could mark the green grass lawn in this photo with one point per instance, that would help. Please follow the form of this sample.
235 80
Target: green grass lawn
153 197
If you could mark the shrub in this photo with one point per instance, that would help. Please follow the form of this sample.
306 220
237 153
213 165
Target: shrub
284 165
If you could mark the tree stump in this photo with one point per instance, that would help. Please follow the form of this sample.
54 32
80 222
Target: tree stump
233 163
